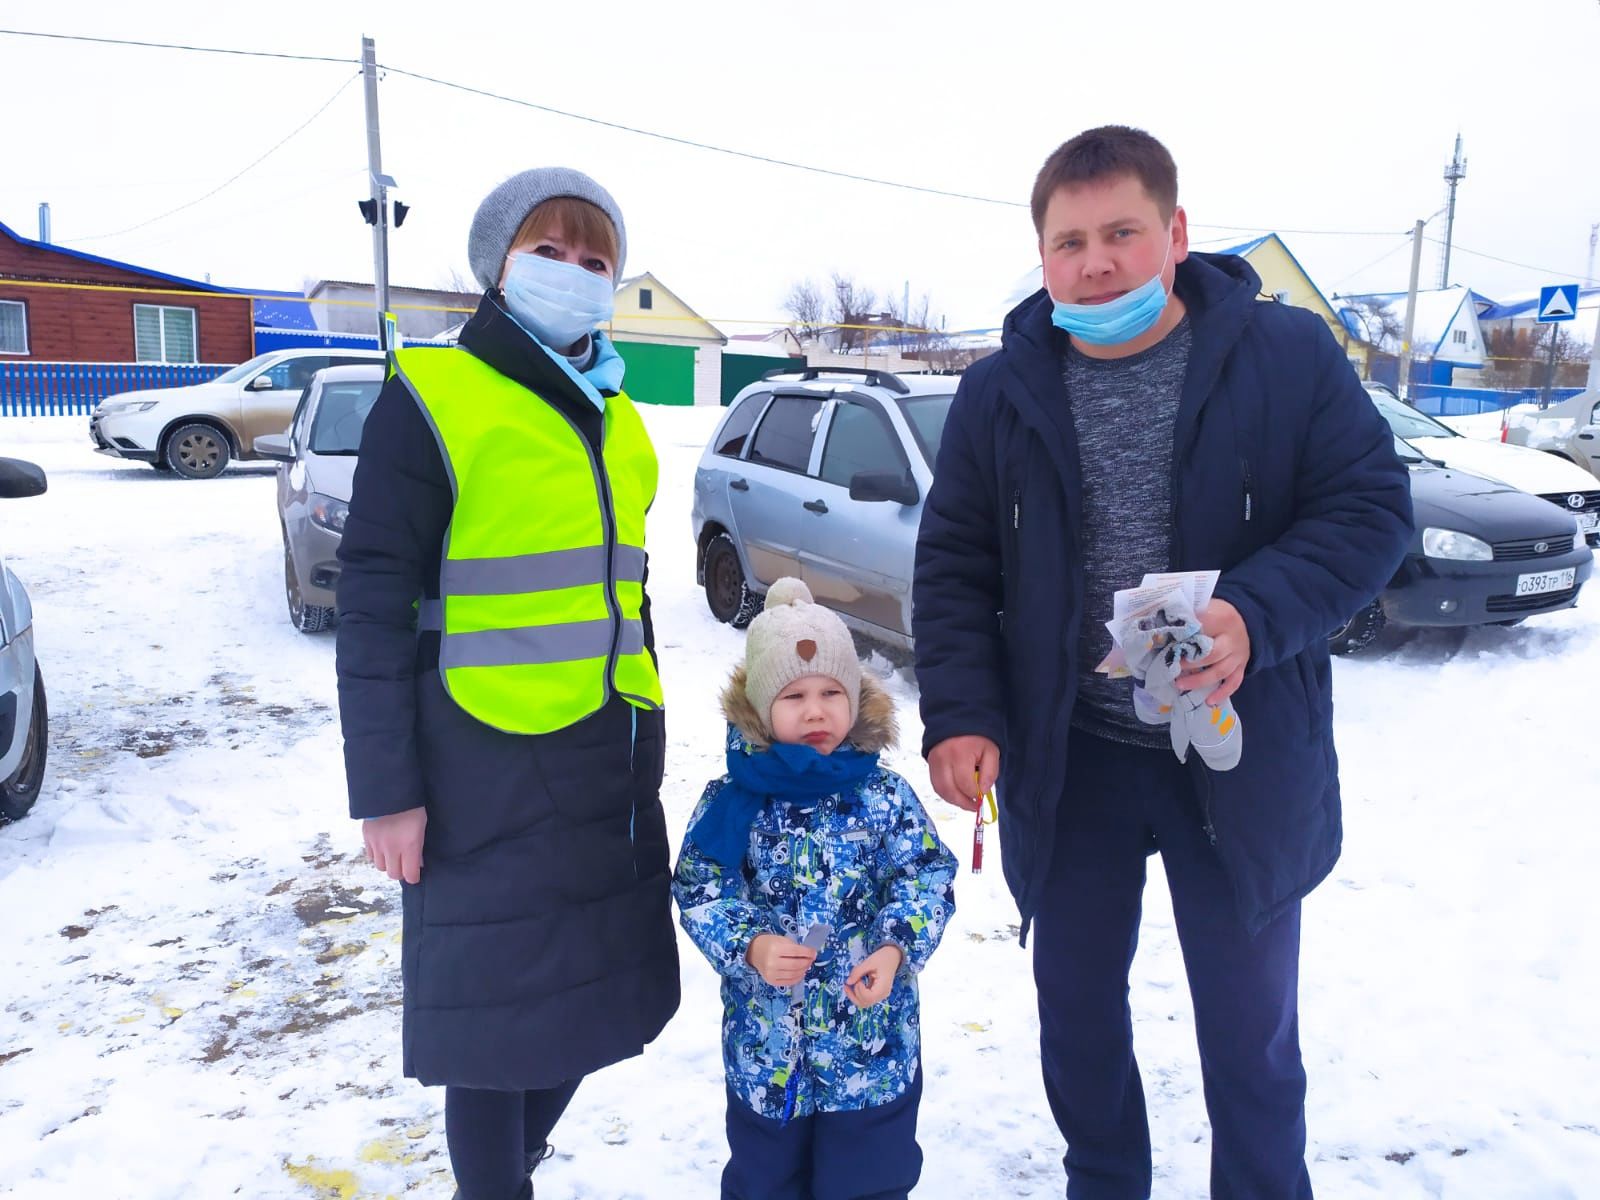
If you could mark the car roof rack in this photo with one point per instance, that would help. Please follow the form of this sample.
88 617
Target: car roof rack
885 379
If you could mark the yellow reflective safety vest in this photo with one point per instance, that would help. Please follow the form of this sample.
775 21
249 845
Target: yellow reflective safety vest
542 576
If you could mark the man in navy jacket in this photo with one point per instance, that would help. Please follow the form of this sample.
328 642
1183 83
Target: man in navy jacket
1147 412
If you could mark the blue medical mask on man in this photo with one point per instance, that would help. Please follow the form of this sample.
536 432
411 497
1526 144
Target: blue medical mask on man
1119 320
560 303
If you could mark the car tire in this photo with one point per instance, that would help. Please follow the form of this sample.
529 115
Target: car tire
307 618
18 793
728 594
163 466
197 450
1360 631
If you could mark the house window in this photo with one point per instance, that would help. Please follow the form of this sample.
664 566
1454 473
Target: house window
13 327
646 298
163 334
1461 337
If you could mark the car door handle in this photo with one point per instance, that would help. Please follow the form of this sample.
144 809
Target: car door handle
1586 437
816 506
739 485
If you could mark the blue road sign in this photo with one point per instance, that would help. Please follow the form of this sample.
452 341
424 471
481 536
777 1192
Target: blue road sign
1559 302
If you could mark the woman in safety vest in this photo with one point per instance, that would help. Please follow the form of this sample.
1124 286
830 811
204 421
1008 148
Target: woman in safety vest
498 689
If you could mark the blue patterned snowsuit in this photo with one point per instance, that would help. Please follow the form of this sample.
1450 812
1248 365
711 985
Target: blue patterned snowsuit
866 862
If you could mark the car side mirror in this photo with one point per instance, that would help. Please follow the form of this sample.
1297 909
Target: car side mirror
19 479
884 485
275 446
260 383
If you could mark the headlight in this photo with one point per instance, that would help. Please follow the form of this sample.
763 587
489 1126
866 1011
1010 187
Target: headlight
1448 543
328 512
123 406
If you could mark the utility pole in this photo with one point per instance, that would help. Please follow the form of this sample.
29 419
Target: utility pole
1588 275
1454 172
378 214
1411 313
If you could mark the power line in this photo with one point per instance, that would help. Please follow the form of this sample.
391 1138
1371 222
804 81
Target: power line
1278 229
326 104
1405 240
104 41
682 141
1508 262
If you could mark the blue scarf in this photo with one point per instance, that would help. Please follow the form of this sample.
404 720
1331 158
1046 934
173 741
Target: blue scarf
792 775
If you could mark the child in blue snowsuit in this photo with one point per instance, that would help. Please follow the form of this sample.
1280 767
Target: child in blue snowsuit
813 880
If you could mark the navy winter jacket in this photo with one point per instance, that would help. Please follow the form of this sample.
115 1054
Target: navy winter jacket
1284 478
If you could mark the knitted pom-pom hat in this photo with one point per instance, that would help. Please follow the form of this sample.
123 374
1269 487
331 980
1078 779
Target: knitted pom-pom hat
792 637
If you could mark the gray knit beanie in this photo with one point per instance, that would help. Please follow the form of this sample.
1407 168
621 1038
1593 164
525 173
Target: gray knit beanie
792 637
504 209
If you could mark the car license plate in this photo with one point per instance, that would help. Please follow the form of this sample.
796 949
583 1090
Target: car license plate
1545 581
1589 522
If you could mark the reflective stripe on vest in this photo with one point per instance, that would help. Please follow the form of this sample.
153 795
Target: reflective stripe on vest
541 576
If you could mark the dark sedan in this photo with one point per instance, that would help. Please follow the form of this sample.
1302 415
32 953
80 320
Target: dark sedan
1482 554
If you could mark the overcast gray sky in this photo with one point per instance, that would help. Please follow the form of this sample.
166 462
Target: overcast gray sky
1281 116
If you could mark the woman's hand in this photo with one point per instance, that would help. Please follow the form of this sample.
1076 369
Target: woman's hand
873 978
394 843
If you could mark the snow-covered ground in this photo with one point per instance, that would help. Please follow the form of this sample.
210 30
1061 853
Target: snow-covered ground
201 974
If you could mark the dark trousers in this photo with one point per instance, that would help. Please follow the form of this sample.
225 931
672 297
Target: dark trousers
1123 803
496 1138
867 1154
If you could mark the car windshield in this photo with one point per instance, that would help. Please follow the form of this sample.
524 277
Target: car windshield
341 412
925 415
1407 453
245 369
1406 421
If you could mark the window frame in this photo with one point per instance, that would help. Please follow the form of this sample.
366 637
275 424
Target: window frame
885 422
23 306
161 327
757 402
647 299
821 400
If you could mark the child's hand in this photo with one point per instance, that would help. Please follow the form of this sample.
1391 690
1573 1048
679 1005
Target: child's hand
873 978
394 843
782 962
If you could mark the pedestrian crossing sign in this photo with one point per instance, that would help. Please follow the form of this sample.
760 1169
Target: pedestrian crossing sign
1558 302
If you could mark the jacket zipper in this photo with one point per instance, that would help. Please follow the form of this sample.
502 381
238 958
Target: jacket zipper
1249 490
608 525
1205 806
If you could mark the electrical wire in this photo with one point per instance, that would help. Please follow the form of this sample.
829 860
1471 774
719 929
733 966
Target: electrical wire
326 104
105 41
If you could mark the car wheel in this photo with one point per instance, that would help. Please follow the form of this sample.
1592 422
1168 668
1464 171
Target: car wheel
197 450
18 793
728 595
307 618
1360 631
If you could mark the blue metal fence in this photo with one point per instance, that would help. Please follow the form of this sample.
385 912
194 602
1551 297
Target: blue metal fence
1437 400
53 389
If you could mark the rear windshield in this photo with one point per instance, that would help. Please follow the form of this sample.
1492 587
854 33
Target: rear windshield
341 413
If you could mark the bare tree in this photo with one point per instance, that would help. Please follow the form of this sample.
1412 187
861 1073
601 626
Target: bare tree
1385 327
805 304
850 307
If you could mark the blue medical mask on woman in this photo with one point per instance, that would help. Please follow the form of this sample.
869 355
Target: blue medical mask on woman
560 303
1119 320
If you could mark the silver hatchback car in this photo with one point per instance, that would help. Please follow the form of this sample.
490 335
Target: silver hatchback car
316 468
820 474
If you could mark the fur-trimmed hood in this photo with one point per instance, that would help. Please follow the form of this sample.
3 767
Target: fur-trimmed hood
875 728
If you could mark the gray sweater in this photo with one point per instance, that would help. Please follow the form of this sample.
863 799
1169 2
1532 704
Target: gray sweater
1123 411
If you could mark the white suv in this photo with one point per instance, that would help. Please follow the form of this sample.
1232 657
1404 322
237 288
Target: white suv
194 431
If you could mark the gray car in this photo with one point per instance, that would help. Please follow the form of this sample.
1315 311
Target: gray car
24 719
316 465
820 474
